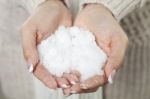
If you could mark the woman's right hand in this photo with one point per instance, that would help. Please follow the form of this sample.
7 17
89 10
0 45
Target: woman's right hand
45 19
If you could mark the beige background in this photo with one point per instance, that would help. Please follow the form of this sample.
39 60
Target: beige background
15 82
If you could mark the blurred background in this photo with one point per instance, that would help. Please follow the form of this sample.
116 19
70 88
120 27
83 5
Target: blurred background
132 81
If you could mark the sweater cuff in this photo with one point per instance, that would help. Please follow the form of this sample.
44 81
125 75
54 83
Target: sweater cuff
119 8
30 5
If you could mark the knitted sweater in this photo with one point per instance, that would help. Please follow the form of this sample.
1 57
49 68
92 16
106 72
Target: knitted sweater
119 8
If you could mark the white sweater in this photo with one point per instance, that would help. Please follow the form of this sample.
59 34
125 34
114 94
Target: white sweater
119 8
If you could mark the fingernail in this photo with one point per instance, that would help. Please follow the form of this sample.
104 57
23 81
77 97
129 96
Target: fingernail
83 86
73 92
73 82
111 77
30 66
30 69
65 86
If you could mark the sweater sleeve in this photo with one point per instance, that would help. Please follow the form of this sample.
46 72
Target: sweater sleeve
119 8
30 5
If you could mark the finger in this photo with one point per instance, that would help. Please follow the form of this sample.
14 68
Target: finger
62 82
115 58
28 35
76 73
43 75
93 82
89 90
110 71
66 91
76 89
73 79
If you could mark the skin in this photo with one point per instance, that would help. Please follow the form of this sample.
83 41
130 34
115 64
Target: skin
48 16
109 36
44 20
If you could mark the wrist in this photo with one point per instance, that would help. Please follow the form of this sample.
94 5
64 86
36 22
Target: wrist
100 7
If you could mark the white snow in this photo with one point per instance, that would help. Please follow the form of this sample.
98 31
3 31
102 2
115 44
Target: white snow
72 48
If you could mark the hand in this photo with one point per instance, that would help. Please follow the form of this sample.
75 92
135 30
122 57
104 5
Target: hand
109 36
46 18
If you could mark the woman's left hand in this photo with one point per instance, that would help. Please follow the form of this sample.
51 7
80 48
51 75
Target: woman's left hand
109 36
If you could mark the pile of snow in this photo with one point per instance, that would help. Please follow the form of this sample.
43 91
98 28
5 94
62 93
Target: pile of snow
72 48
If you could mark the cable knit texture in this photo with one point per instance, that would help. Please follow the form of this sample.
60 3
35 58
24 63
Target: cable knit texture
119 8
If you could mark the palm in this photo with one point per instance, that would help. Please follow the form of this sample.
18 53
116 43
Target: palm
45 19
109 36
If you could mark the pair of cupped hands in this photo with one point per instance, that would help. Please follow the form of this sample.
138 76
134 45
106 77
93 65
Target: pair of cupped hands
51 14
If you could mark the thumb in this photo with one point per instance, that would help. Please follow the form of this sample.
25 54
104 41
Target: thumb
28 35
115 58
110 70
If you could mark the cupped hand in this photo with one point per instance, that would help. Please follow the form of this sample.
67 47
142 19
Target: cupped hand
109 36
45 19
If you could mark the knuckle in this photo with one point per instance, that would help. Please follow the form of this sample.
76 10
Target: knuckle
76 73
45 80
59 83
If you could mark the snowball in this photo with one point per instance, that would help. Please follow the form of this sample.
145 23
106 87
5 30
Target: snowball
72 48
